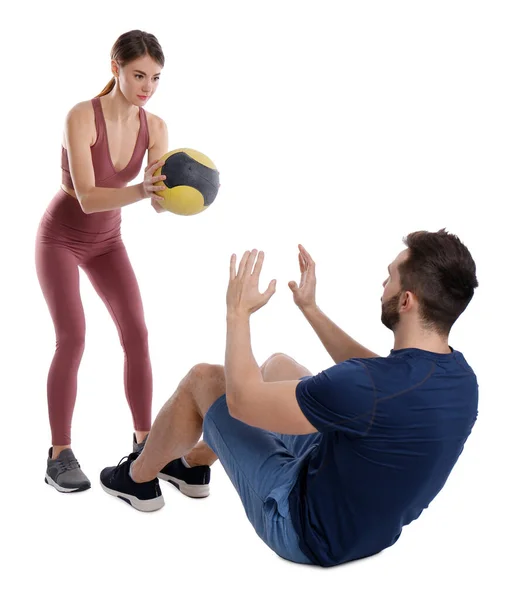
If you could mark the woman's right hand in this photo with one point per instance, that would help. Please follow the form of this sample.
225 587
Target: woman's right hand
304 295
156 204
149 186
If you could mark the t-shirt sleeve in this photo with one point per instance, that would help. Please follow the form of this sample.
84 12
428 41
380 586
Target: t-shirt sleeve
340 398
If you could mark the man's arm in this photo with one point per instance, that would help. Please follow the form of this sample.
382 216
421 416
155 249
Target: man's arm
338 344
272 406
342 397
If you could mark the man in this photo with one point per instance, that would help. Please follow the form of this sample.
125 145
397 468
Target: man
329 467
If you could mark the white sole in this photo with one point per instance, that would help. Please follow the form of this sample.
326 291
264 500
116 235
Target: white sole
193 491
142 505
50 481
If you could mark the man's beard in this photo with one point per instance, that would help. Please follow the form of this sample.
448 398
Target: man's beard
390 316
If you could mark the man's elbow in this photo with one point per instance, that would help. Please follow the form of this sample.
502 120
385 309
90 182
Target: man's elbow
234 406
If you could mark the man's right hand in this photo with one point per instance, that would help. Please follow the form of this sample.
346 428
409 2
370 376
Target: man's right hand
304 294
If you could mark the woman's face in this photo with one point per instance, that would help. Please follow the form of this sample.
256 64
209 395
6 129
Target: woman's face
138 80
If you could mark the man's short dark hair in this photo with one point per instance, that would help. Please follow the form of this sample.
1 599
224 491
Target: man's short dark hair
440 271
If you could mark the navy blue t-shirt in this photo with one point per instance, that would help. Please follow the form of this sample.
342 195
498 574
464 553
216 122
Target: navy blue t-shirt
392 429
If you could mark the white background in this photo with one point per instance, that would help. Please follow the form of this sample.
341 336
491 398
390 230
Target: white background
339 125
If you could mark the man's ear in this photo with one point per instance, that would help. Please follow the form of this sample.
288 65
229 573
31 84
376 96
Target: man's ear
407 301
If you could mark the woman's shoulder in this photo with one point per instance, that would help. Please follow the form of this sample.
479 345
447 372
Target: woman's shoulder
154 120
156 125
81 112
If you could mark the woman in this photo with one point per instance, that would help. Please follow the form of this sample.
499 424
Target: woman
104 144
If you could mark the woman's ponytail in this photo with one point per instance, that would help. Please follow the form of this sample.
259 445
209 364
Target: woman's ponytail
108 88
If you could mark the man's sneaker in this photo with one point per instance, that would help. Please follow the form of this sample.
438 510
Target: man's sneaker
64 473
117 482
191 481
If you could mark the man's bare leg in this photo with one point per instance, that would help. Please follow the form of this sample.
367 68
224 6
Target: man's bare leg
279 367
178 426
201 454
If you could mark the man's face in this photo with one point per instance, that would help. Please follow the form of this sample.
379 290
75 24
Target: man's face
390 300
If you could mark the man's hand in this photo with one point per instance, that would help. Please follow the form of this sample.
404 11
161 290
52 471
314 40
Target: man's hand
243 296
304 295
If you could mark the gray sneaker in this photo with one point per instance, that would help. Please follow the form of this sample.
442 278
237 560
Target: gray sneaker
139 447
64 473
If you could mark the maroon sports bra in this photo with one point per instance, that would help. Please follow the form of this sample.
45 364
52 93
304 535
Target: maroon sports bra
105 173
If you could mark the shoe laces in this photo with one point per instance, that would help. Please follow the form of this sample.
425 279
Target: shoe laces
68 464
118 466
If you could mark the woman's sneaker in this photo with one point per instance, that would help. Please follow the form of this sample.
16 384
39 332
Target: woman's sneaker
137 448
191 481
64 473
116 481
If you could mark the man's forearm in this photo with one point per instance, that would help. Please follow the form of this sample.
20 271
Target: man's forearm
340 345
241 369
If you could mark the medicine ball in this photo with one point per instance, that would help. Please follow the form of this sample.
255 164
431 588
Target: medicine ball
191 184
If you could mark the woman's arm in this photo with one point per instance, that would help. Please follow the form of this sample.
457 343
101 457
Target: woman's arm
158 147
78 136
158 139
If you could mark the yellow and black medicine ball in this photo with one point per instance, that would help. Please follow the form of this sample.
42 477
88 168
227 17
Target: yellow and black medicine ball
191 184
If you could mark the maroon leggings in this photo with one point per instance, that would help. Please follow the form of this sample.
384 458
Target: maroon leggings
60 251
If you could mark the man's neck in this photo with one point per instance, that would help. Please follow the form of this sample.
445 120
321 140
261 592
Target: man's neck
422 339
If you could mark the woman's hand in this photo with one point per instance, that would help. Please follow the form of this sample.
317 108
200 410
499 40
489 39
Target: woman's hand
157 206
149 184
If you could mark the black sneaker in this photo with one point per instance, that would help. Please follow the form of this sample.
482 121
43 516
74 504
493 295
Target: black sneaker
117 482
191 481
64 473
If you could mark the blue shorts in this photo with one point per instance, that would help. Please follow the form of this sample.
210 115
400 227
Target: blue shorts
263 466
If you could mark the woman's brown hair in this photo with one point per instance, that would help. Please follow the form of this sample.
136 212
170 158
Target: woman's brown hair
130 46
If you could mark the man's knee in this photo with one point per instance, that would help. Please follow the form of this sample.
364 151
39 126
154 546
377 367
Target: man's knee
277 356
205 372
206 383
281 367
